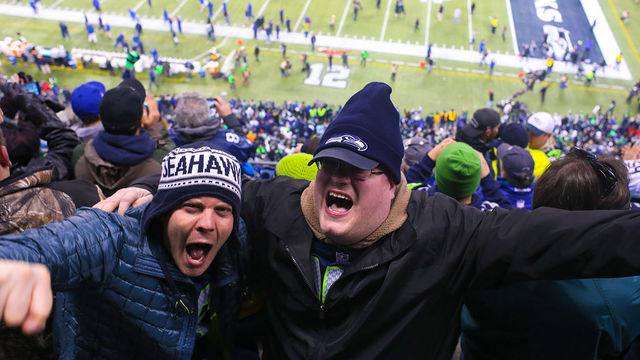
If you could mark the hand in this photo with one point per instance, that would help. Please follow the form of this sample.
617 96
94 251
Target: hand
26 298
125 198
435 152
484 167
152 116
631 151
222 106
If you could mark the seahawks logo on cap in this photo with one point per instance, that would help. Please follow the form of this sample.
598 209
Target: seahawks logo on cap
349 140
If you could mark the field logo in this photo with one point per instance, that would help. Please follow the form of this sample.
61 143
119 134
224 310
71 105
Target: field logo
335 77
558 37
564 22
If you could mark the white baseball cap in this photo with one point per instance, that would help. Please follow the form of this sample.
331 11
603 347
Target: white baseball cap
541 123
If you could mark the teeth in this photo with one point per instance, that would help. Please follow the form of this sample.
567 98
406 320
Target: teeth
339 196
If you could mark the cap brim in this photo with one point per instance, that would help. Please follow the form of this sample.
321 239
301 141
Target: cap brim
502 150
470 131
534 130
348 156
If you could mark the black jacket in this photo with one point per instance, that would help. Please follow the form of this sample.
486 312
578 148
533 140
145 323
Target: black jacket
60 140
401 298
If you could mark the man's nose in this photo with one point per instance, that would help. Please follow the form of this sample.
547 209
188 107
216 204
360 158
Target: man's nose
206 221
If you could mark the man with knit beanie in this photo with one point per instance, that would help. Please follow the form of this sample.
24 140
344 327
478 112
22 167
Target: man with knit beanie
459 171
123 151
85 102
354 265
297 166
138 285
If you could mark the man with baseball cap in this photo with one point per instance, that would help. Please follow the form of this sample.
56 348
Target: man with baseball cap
540 127
480 131
516 175
354 265
162 281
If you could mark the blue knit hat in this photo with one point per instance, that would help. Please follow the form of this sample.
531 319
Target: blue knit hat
366 132
86 98
193 170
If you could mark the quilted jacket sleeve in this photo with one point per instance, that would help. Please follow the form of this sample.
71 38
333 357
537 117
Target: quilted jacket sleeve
79 250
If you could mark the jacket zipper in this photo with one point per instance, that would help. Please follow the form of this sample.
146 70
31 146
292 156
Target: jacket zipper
306 280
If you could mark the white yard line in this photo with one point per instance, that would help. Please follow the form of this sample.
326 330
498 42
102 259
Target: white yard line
302 13
470 23
426 30
56 3
215 14
174 12
344 16
138 5
197 57
513 29
386 19
264 6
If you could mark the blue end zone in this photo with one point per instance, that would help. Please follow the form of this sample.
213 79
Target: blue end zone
565 23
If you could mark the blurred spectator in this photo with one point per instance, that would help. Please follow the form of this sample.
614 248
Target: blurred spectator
297 166
33 195
459 171
194 123
480 130
515 175
540 127
85 102
568 319
123 151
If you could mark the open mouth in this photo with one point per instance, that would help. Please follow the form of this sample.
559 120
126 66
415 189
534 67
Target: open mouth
338 202
198 251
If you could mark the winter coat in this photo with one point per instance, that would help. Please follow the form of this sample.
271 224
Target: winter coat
571 319
32 199
401 297
110 176
112 298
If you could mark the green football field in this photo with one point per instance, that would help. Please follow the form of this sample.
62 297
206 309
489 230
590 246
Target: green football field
452 84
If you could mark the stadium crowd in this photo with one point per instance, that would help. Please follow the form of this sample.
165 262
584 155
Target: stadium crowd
247 212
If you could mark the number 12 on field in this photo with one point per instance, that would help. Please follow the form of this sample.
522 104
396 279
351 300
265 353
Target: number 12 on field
335 77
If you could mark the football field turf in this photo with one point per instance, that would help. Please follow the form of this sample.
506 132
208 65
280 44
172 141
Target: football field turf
452 83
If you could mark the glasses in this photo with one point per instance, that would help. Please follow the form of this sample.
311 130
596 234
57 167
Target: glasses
605 173
333 167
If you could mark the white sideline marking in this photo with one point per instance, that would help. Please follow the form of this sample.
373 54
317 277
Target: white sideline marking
302 13
386 20
344 16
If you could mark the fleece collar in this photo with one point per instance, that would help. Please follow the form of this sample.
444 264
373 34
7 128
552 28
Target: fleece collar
397 215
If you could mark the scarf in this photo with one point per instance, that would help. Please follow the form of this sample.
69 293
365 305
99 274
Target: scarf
125 150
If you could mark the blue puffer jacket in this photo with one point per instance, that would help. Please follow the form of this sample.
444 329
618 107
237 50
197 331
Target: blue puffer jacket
112 301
